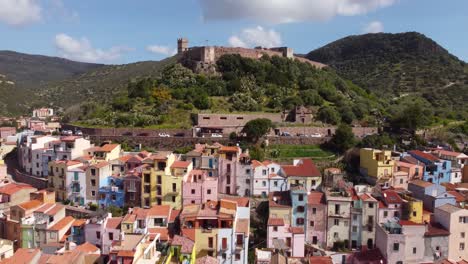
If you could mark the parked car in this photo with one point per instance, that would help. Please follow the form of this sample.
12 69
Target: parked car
215 135
79 133
164 135
180 134
127 134
286 134
67 132
316 135
143 134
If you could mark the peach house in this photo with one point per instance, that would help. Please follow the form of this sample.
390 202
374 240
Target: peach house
198 188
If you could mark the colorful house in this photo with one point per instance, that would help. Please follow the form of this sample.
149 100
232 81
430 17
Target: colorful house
112 193
316 226
183 250
436 170
302 172
157 179
432 195
96 177
198 188
390 206
338 217
376 163
455 220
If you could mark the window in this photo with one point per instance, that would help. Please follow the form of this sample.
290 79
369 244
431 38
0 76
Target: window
111 236
301 197
93 183
98 234
173 199
314 210
354 229
371 205
275 183
113 197
275 228
193 191
210 242
300 209
93 172
51 219
264 172
335 235
337 209
52 235
263 183
208 191
385 213
462 234
247 171
396 214
247 181
396 246
337 222
193 201
93 193
174 187
414 250
462 246
346 223
238 256
158 179
223 255
462 219
415 213
300 221
312 223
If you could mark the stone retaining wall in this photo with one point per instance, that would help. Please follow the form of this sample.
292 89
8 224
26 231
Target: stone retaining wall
39 183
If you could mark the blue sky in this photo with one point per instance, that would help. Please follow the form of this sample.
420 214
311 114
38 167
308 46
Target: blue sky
122 31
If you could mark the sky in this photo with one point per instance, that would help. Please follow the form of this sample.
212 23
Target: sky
125 31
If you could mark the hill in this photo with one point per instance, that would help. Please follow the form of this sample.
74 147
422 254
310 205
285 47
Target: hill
400 65
269 84
29 72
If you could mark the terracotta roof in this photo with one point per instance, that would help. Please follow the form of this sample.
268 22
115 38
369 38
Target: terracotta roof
241 201
62 223
408 223
229 149
296 230
54 210
207 260
114 222
108 147
179 164
174 215
12 188
305 168
256 163
87 247
79 222
436 229
44 208
185 243
30 204
100 164
275 221
242 226
449 186
315 197
447 152
129 218
22 256
162 231
390 196
424 155
189 232
421 183
160 210
125 158
126 253
366 197
320 260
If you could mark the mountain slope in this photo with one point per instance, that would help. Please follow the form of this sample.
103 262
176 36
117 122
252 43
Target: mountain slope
398 63
99 84
26 73
404 64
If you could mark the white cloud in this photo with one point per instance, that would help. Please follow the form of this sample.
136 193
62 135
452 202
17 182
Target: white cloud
82 50
373 27
257 36
20 12
160 49
286 11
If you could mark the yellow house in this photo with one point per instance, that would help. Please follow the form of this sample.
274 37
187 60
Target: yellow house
413 209
279 206
172 183
107 152
376 163
157 180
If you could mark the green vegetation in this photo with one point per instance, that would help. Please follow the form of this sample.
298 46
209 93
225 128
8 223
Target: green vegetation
343 139
401 68
257 128
270 84
289 152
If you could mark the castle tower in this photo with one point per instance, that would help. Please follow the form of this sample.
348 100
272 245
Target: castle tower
182 45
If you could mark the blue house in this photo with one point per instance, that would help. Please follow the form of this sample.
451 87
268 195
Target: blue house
435 170
432 195
299 206
77 234
112 193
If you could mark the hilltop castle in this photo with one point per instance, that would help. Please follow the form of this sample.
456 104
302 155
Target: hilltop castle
203 58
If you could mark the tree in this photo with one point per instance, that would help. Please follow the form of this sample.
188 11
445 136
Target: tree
329 115
257 128
343 139
412 117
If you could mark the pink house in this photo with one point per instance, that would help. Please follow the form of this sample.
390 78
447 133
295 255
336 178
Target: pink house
37 125
390 206
414 170
281 236
198 188
111 233
316 216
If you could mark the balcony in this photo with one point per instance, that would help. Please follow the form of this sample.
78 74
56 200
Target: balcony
207 230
